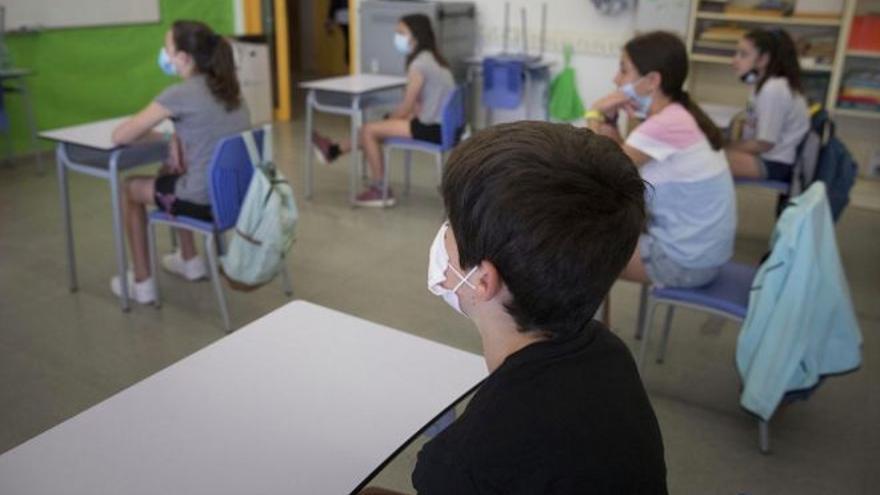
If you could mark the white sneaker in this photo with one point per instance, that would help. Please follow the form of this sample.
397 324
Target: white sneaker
191 269
143 292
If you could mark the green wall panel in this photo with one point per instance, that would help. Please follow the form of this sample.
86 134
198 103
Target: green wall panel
86 74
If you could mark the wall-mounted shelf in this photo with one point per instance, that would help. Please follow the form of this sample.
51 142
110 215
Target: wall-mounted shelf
855 112
769 19
725 60
863 53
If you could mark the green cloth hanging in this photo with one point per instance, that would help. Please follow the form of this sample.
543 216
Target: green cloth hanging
565 102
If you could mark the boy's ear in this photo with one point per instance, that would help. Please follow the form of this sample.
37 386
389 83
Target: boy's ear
488 283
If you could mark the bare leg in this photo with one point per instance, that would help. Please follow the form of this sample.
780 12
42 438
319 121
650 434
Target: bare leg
138 192
635 269
372 135
744 165
187 244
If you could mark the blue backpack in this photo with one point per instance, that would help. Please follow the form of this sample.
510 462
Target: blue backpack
835 165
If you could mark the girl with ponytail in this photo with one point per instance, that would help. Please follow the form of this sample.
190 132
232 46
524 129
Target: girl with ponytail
678 151
777 117
205 107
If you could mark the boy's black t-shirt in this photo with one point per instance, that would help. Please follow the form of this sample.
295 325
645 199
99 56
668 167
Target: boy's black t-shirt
561 416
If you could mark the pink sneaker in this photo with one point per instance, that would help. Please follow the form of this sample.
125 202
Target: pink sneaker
325 150
372 197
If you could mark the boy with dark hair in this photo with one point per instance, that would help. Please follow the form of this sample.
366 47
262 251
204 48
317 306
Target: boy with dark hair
542 219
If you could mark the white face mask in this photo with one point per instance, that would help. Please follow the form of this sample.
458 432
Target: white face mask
438 262
401 43
642 102
165 63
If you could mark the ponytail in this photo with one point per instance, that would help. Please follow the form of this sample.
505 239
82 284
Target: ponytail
212 56
710 130
665 53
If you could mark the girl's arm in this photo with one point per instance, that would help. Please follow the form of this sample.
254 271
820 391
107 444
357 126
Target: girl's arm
637 157
753 146
140 125
409 106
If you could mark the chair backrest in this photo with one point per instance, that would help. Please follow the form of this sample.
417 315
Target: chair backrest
230 173
503 82
452 119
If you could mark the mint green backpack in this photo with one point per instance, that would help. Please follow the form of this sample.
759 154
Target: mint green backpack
266 225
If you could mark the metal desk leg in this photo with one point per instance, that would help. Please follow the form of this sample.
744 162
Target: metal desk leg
32 123
61 164
355 148
118 229
307 145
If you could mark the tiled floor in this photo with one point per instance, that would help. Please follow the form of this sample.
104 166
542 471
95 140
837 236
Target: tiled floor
61 353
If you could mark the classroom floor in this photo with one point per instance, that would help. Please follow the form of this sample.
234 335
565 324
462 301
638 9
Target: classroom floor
61 353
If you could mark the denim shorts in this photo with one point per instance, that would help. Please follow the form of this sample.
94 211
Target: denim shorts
666 272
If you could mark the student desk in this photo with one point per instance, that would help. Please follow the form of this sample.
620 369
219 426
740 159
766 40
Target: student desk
87 149
345 95
304 400
13 80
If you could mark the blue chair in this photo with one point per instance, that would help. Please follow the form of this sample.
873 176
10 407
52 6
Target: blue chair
503 82
451 125
229 173
775 185
727 296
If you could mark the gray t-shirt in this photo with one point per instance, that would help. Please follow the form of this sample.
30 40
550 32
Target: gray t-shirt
200 121
438 84
777 115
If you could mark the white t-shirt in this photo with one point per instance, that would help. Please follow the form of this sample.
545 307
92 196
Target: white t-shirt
777 115
691 204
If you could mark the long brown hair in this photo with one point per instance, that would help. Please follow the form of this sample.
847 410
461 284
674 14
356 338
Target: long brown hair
783 56
665 53
212 56
420 27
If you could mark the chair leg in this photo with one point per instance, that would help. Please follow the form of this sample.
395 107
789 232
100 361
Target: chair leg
173 232
154 260
764 436
286 286
439 158
645 332
221 243
640 320
211 250
386 174
667 326
407 170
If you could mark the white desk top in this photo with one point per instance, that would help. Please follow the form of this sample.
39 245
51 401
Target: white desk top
356 83
95 134
304 400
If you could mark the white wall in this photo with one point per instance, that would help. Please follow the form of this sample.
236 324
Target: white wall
597 39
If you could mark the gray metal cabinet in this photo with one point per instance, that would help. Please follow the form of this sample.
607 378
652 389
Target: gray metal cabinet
454 23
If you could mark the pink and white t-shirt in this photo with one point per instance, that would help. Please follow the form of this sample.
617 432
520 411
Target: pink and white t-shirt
692 206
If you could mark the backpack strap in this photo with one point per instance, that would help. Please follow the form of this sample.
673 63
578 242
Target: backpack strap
251 145
267 143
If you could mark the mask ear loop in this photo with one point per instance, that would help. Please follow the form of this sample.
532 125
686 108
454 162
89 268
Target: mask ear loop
464 278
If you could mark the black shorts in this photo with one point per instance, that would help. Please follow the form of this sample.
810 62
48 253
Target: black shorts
168 202
777 171
425 132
